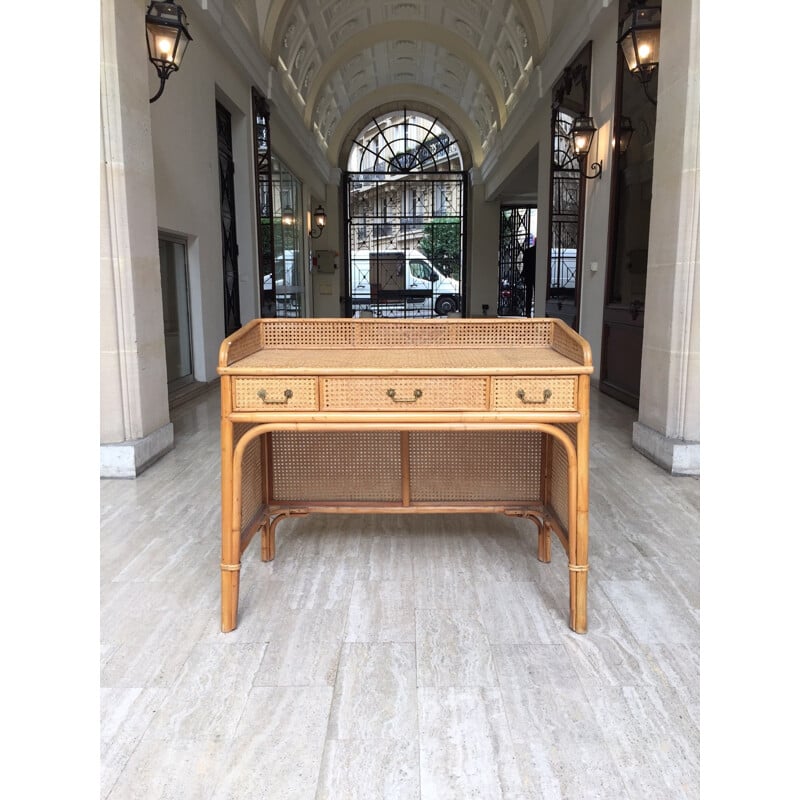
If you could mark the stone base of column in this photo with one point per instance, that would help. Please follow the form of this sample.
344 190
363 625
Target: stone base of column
677 456
129 459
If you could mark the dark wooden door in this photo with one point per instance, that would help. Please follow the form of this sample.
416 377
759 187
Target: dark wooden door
621 365
624 310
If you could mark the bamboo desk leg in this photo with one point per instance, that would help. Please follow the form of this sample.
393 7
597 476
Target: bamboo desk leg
579 570
231 557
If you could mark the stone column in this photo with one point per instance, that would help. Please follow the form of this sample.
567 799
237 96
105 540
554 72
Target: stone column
134 408
668 429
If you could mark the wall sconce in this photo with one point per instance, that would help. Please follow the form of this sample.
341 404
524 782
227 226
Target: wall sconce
167 39
320 220
625 131
640 40
582 133
287 216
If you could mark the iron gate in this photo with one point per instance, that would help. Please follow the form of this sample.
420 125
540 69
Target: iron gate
405 205
515 239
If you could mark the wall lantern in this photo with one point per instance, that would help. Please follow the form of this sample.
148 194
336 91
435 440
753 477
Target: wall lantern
320 220
581 134
167 38
625 131
640 40
287 216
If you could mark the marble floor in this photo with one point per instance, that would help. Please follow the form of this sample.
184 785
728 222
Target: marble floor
399 657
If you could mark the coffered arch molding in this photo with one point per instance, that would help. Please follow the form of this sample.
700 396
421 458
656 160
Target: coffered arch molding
391 31
532 15
414 98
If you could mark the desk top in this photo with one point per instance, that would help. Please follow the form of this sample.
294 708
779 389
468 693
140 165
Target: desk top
405 361
404 347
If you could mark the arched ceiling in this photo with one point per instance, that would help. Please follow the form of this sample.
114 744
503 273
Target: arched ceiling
335 56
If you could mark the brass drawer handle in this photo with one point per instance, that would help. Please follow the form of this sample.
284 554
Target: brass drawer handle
262 393
393 394
546 395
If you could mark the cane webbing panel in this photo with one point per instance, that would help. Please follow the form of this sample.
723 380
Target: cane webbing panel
562 393
402 333
248 343
456 466
246 397
406 334
566 345
371 393
319 466
501 334
252 475
306 333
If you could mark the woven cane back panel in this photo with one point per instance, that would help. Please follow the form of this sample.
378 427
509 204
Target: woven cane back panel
307 333
406 334
319 466
443 393
409 333
559 479
252 475
562 393
246 394
501 334
456 466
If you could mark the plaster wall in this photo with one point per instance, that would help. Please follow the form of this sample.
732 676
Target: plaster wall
327 288
483 243
598 190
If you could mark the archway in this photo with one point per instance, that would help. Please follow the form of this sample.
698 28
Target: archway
405 196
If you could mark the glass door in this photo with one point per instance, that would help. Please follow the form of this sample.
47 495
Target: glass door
175 301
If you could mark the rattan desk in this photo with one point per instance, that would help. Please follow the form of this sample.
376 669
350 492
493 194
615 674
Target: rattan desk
405 416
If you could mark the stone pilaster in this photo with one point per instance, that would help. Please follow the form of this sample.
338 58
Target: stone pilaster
668 429
134 407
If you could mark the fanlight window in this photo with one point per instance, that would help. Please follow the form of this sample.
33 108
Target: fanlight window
399 143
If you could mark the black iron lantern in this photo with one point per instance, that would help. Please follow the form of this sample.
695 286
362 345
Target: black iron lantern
625 132
640 39
167 39
581 135
320 220
287 216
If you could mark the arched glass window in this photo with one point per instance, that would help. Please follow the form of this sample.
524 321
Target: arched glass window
405 215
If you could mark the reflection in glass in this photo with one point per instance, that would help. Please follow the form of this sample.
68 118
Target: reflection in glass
289 276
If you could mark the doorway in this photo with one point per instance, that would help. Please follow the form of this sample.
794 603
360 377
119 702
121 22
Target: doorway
177 320
517 260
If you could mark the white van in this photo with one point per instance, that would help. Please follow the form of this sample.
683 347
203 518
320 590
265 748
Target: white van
401 279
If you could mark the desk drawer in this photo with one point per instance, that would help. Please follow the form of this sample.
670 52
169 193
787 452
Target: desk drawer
544 393
393 393
275 394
